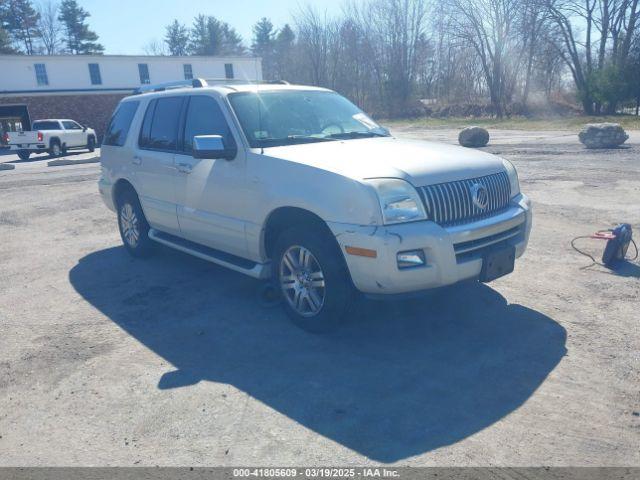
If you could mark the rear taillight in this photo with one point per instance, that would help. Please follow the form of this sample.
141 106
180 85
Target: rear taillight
40 137
5 138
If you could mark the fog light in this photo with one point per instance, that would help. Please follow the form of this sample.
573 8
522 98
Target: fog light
411 258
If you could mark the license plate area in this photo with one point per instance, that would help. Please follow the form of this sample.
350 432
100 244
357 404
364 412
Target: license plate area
497 262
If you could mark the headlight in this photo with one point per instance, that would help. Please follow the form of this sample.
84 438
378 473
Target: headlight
513 177
399 200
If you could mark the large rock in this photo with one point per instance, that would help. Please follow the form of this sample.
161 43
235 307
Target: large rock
473 137
602 135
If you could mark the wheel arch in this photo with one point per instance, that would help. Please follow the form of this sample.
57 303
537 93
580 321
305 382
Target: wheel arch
285 217
122 185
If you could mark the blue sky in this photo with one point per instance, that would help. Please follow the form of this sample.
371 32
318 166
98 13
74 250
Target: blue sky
125 26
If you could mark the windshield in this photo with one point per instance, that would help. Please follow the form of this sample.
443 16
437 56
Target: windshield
288 117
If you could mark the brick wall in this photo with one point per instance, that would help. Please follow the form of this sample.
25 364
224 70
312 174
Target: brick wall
94 111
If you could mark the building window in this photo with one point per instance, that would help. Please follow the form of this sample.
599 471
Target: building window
228 70
41 74
94 73
188 71
143 70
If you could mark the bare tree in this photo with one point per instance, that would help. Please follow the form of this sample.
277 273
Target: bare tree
49 27
154 47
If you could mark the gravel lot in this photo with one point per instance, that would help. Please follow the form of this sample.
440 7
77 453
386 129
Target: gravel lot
107 360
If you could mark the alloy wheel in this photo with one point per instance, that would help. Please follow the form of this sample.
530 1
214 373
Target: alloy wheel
302 281
129 225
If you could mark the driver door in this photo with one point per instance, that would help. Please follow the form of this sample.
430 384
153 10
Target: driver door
74 135
210 193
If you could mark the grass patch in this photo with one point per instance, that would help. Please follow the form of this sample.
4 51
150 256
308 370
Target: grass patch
628 122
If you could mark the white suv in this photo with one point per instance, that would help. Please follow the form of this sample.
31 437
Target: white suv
298 185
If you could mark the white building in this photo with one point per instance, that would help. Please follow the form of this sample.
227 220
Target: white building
88 87
36 74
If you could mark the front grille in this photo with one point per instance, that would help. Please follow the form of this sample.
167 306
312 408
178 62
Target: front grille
452 203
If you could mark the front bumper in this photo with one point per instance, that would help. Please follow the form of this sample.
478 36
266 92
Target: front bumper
452 254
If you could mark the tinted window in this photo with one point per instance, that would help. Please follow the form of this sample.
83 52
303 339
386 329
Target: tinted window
228 70
71 126
120 123
143 70
204 117
188 71
41 74
45 125
94 73
160 127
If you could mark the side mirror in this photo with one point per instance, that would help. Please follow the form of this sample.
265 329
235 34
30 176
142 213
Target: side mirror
84 129
211 147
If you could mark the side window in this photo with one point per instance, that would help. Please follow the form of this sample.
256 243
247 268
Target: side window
160 126
71 125
204 117
120 123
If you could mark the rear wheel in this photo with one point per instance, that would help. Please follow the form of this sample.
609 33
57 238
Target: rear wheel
91 144
24 154
133 226
313 279
55 150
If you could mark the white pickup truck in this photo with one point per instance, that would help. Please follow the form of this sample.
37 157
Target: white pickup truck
53 136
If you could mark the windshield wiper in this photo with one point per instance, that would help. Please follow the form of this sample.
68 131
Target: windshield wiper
357 135
307 138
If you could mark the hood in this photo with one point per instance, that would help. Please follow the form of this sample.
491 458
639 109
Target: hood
418 162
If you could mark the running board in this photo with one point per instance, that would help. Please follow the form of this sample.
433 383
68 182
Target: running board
233 262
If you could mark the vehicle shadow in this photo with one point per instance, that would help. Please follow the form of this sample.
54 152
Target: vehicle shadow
400 379
39 156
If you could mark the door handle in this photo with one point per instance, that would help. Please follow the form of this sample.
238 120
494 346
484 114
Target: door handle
184 167
136 160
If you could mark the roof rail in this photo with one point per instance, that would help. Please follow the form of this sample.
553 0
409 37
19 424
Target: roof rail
159 87
200 83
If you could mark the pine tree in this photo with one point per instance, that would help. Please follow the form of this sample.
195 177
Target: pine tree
6 46
177 38
263 45
210 36
283 51
79 39
22 23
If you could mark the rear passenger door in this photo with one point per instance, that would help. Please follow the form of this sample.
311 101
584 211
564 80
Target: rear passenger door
153 162
210 192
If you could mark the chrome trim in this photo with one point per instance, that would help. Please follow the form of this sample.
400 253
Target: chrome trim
451 203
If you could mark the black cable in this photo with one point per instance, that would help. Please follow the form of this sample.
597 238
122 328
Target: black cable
593 260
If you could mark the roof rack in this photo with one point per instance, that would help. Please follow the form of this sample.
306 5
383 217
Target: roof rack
202 82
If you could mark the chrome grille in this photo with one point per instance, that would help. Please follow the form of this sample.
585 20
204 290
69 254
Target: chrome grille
452 202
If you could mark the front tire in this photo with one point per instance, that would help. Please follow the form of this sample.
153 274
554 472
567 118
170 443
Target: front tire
24 154
309 269
91 144
133 226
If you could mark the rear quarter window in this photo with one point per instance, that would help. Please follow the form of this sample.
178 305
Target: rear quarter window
120 124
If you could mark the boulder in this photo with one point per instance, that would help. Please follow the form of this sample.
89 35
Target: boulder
602 135
473 137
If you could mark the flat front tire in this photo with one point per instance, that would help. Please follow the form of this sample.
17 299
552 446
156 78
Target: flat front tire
309 269
133 226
